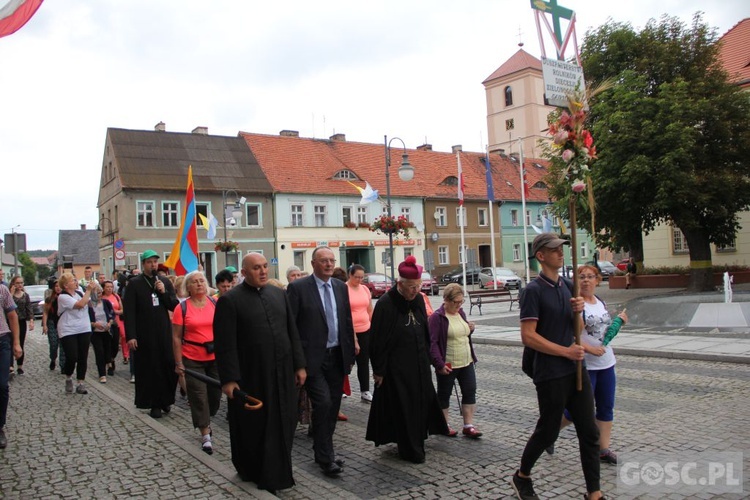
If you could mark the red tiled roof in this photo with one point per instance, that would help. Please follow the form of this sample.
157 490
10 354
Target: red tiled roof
519 61
307 166
734 53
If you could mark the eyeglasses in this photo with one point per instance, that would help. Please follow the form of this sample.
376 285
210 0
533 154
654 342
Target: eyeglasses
587 276
327 261
458 302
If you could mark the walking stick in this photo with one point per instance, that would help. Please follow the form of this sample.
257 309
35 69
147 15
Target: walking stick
458 400
577 318
250 403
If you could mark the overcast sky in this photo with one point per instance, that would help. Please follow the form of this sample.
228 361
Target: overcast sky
412 69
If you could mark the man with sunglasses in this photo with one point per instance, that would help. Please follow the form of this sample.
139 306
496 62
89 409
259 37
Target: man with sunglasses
548 313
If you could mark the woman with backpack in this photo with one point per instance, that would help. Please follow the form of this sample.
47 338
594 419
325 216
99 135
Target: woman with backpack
193 344
102 316
74 329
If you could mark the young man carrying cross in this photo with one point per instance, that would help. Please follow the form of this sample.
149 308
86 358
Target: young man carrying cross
547 321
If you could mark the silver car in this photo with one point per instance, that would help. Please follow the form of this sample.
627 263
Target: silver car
504 277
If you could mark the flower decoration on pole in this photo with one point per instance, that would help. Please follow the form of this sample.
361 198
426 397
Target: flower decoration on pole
226 246
392 225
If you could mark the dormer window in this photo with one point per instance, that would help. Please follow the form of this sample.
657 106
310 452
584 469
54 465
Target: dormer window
540 185
451 180
508 96
345 175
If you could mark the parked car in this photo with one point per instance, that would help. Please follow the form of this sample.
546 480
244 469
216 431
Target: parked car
36 295
456 275
504 277
623 265
607 269
430 286
377 283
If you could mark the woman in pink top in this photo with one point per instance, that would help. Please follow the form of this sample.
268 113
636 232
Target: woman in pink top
110 296
193 344
361 304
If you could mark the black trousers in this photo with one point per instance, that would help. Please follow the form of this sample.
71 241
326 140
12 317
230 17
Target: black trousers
324 390
22 326
101 341
76 349
554 396
363 361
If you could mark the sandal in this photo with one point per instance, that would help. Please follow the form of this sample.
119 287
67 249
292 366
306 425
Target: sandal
451 433
471 432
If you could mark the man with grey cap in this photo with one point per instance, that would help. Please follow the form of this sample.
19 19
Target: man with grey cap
547 323
146 307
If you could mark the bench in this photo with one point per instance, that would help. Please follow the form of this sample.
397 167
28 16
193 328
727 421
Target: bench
481 297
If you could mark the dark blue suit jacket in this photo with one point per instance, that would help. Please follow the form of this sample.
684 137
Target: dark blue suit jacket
310 316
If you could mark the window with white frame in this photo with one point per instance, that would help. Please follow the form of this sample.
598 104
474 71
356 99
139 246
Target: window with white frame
679 243
346 215
482 219
201 209
253 215
461 211
408 251
320 212
384 210
514 217
516 252
731 247
299 259
584 249
528 217
145 211
462 253
362 215
296 212
406 213
443 259
170 214
441 220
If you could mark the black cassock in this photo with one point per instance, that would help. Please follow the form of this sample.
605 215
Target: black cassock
405 407
258 346
148 322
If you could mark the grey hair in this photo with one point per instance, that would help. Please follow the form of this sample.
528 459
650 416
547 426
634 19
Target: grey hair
291 269
188 277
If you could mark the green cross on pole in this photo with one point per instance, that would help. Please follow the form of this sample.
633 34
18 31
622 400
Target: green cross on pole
558 12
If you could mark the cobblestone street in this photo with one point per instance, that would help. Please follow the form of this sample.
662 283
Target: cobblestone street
99 446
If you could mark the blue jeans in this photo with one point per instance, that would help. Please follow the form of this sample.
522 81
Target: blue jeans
6 355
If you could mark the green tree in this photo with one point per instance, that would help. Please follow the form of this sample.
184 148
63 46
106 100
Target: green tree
673 138
29 268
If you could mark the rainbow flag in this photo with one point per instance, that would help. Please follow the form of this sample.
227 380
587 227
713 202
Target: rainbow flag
184 256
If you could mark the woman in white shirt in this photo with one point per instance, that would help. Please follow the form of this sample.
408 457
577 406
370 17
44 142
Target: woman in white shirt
74 329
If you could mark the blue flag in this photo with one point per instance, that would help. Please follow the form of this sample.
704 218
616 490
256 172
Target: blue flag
488 175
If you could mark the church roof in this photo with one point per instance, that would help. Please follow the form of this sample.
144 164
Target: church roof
519 61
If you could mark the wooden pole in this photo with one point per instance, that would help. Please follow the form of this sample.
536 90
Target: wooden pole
577 318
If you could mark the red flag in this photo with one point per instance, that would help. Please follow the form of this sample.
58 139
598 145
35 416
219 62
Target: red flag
526 190
16 13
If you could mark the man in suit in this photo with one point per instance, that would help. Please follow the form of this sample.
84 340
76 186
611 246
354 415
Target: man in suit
320 306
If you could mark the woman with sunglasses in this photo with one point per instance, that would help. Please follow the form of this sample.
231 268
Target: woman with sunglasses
452 355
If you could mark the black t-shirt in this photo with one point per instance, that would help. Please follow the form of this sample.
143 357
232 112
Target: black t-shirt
548 302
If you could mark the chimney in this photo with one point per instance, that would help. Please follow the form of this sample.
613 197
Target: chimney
289 133
83 227
200 130
457 148
160 127
424 147
338 137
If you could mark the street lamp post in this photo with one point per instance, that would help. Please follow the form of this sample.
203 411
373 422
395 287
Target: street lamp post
406 173
111 234
234 213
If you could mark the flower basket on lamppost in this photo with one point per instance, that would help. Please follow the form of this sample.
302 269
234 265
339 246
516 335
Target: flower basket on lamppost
395 226
226 246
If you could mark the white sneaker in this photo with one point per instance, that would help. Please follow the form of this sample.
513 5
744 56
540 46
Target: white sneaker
367 396
132 379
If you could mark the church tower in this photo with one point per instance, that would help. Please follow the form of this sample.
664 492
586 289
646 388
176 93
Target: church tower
515 105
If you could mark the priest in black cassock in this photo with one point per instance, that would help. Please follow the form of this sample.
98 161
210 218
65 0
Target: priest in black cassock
258 350
405 407
146 307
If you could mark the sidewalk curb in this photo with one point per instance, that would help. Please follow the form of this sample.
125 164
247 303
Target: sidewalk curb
649 353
